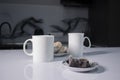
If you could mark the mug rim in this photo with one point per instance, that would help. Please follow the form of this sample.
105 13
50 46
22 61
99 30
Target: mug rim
76 33
42 35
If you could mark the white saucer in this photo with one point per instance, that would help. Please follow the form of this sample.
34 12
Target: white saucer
75 69
60 54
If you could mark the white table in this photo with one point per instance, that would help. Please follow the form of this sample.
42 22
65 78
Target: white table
14 65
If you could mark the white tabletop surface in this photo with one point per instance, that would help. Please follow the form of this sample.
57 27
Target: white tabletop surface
15 65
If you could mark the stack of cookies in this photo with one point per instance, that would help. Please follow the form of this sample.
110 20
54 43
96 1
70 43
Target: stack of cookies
59 48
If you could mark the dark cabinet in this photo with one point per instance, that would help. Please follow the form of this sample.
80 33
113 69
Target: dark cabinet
104 22
75 3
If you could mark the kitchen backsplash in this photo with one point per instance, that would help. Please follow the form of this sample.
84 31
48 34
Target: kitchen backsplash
51 15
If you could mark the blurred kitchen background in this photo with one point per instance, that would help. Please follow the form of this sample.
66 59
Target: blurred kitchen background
20 19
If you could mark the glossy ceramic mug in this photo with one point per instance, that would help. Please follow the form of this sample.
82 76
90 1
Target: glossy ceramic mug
76 44
42 48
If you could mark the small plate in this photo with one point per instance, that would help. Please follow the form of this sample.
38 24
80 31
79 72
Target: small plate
60 54
75 69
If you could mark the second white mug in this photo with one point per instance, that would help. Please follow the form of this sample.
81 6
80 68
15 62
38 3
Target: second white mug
76 44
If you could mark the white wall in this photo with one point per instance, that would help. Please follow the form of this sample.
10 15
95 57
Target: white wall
52 14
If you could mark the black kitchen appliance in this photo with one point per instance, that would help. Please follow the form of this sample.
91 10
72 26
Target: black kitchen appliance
104 21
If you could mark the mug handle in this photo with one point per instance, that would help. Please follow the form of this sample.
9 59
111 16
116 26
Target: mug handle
24 48
88 41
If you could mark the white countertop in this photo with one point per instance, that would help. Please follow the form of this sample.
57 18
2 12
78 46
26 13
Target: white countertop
15 65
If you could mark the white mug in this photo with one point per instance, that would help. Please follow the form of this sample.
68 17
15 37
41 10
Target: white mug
76 44
42 48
